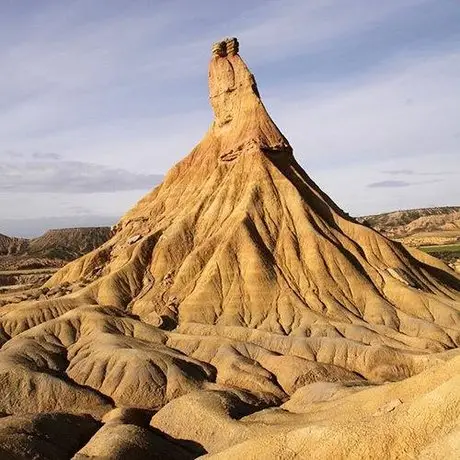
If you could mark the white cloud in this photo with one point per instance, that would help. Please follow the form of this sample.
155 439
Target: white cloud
348 184
51 175
294 27
408 108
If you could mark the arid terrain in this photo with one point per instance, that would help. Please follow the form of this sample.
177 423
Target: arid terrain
236 312
30 262
433 230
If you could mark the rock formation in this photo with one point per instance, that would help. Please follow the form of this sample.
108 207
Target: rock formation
237 285
9 246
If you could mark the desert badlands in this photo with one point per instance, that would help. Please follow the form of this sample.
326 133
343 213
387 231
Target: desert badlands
236 313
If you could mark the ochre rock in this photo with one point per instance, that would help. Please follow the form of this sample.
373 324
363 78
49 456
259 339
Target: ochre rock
235 285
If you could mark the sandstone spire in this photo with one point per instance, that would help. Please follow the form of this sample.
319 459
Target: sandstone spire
238 275
239 235
241 121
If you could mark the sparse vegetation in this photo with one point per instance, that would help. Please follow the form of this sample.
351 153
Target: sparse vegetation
448 248
449 253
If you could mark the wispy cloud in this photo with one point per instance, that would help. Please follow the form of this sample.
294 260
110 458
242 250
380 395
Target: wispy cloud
304 27
397 172
399 183
369 121
389 184
46 156
411 172
52 176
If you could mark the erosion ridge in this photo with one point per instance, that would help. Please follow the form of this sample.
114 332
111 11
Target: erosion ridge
236 285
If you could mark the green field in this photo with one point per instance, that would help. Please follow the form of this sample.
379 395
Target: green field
29 271
441 248
448 253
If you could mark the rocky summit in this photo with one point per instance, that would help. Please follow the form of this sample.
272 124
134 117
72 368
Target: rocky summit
237 312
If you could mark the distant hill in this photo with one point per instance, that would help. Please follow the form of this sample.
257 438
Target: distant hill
435 230
53 249
68 243
10 245
419 224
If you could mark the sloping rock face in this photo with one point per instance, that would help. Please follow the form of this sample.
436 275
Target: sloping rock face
232 286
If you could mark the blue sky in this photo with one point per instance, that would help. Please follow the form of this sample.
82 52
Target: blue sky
99 99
